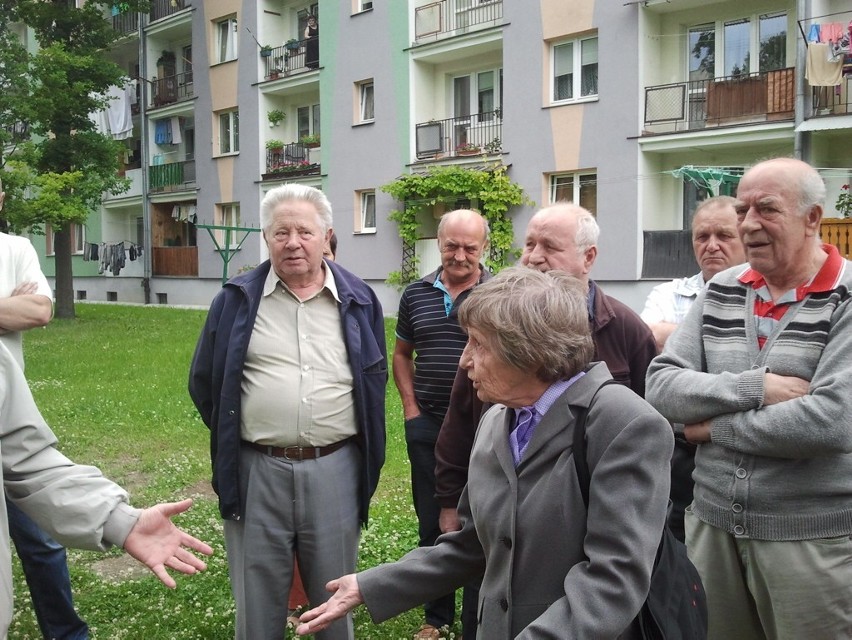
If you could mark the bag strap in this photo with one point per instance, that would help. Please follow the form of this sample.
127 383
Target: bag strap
581 464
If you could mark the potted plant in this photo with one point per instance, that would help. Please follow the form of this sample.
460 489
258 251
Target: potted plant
275 116
844 202
310 141
265 51
467 149
275 146
292 44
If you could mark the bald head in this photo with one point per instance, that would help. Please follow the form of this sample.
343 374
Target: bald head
563 236
462 238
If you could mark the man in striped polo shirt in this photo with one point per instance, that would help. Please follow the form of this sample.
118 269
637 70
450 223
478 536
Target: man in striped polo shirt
428 326
760 374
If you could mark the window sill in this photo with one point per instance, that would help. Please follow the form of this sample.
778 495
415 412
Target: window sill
565 103
364 232
227 155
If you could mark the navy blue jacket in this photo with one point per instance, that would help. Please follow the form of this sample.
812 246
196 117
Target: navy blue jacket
217 371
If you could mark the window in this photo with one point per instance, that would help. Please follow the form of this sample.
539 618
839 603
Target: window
226 39
366 222
575 69
186 59
579 188
747 45
229 132
227 215
366 111
480 92
78 239
308 120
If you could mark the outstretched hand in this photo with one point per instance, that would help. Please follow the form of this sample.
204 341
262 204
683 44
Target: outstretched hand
157 543
346 597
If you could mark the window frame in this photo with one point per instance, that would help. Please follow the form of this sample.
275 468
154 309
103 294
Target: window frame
579 179
577 68
78 239
230 45
366 94
232 130
227 215
364 198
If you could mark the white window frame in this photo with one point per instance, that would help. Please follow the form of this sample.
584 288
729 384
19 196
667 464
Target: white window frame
365 201
578 47
472 106
754 22
78 239
229 132
227 215
366 101
227 40
310 115
578 179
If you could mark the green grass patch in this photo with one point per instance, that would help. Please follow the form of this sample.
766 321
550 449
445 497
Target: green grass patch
112 385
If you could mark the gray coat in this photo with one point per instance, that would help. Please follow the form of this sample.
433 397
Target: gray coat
549 571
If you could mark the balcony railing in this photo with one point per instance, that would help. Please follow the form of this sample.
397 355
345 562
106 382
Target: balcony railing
175 261
452 17
743 99
171 89
471 135
125 23
164 8
833 100
174 176
294 159
288 59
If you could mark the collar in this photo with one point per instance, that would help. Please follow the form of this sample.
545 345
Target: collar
272 281
826 279
553 393
690 287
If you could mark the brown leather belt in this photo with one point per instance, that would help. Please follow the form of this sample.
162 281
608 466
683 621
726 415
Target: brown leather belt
297 453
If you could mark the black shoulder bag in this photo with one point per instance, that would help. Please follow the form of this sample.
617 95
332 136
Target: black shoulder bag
676 606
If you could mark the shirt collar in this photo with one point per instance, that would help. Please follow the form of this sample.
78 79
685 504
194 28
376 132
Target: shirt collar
826 279
552 394
272 281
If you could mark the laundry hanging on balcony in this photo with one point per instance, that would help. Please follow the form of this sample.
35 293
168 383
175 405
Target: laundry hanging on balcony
116 118
717 180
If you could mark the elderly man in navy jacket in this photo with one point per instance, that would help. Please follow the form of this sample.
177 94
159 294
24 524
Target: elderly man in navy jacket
289 375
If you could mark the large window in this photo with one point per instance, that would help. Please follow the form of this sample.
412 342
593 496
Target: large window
308 120
366 221
746 45
575 69
78 239
366 111
227 215
480 92
226 39
229 132
580 188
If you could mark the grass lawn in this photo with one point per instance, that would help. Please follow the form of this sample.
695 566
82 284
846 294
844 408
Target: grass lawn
112 385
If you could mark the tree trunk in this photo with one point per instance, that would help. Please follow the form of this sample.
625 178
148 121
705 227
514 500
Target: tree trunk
64 289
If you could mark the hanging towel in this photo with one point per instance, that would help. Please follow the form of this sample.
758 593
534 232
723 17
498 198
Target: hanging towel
820 70
175 128
118 113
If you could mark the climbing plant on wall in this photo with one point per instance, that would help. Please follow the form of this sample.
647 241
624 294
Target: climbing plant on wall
488 186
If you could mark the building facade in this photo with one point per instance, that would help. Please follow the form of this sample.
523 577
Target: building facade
635 110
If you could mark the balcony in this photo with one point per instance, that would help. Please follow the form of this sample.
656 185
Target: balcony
164 8
174 261
175 176
700 104
446 18
125 23
170 89
472 135
291 161
288 59
833 100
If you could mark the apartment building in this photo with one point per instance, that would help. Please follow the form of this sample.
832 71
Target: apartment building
626 108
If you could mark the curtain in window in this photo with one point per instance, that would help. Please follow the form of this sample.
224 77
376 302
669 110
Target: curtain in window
563 71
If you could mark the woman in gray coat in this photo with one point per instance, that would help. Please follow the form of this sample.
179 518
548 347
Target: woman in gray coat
549 569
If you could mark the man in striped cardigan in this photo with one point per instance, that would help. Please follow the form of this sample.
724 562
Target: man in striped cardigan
761 376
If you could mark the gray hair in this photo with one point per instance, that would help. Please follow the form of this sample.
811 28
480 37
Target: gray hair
297 192
588 230
536 322
459 214
712 203
811 190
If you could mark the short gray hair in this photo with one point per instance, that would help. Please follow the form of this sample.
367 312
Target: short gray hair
811 190
536 322
715 201
588 230
457 214
297 192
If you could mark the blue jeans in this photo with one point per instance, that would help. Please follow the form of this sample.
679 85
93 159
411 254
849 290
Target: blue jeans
46 571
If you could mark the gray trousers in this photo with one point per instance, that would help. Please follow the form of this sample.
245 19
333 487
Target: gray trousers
308 507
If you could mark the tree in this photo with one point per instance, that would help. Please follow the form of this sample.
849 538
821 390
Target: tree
59 177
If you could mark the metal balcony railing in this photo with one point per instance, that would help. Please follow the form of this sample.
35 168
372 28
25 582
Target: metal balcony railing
164 8
173 176
833 100
293 159
288 59
170 89
476 134
747 98
125 23
453 17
